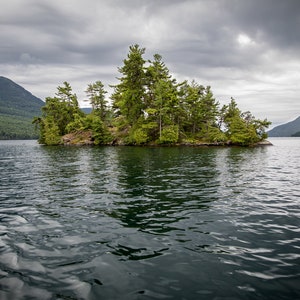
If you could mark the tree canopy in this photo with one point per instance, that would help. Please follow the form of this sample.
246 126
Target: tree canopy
148 106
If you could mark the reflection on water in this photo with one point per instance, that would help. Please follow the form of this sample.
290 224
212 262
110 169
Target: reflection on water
161 187
149 223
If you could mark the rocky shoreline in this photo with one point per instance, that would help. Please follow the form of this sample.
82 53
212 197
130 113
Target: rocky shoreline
85 138
78 138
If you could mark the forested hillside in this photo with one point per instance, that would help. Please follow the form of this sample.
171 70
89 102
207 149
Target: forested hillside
148 106
289 129
17 109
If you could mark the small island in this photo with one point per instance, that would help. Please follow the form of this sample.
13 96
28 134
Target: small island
147 107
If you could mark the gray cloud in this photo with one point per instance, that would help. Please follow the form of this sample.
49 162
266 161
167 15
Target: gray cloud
245 49
274 20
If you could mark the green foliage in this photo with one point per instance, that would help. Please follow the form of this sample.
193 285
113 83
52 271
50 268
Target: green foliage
242 128
128 96
16 101
78 123
51 134
100 133
169 135
16 127
140 136
213 135
242 133
17 108
60 115
149 106
260 128
96 93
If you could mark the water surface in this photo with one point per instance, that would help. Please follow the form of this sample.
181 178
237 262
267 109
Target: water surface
149 223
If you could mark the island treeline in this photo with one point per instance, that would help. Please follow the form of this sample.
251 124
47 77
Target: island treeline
148 106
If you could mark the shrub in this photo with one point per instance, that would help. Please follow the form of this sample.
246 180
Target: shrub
140 136
169 135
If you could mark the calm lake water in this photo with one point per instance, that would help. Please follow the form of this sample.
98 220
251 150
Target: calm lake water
149 223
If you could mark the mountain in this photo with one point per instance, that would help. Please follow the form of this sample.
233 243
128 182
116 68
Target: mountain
86 110
17 109
289 129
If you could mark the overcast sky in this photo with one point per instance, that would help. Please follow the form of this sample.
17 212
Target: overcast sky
245 49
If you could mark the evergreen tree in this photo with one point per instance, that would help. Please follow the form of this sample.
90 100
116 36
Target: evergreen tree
96 93
129 94
242 128
162 97
149 106
65 95
96 121
191 95
51 132
100 133
209 109
201 113
57 114
155 72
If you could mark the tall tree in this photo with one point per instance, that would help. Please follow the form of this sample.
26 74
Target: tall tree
57 114
162 96
129 94
191 95
155 72
201 112
149 106
65 94
242 128
209 109
96 93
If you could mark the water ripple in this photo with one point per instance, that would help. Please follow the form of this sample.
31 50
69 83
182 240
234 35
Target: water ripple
140 223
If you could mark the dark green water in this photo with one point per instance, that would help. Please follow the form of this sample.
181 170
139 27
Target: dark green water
149 223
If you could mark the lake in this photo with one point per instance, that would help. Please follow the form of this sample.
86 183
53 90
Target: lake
150 223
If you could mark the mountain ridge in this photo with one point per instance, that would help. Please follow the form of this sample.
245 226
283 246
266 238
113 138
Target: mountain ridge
286 130
17 109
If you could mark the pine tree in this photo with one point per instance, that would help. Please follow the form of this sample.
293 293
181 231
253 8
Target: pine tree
96 93
162 97
209 109
191 95
148 106
129 94
242 128
57 115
